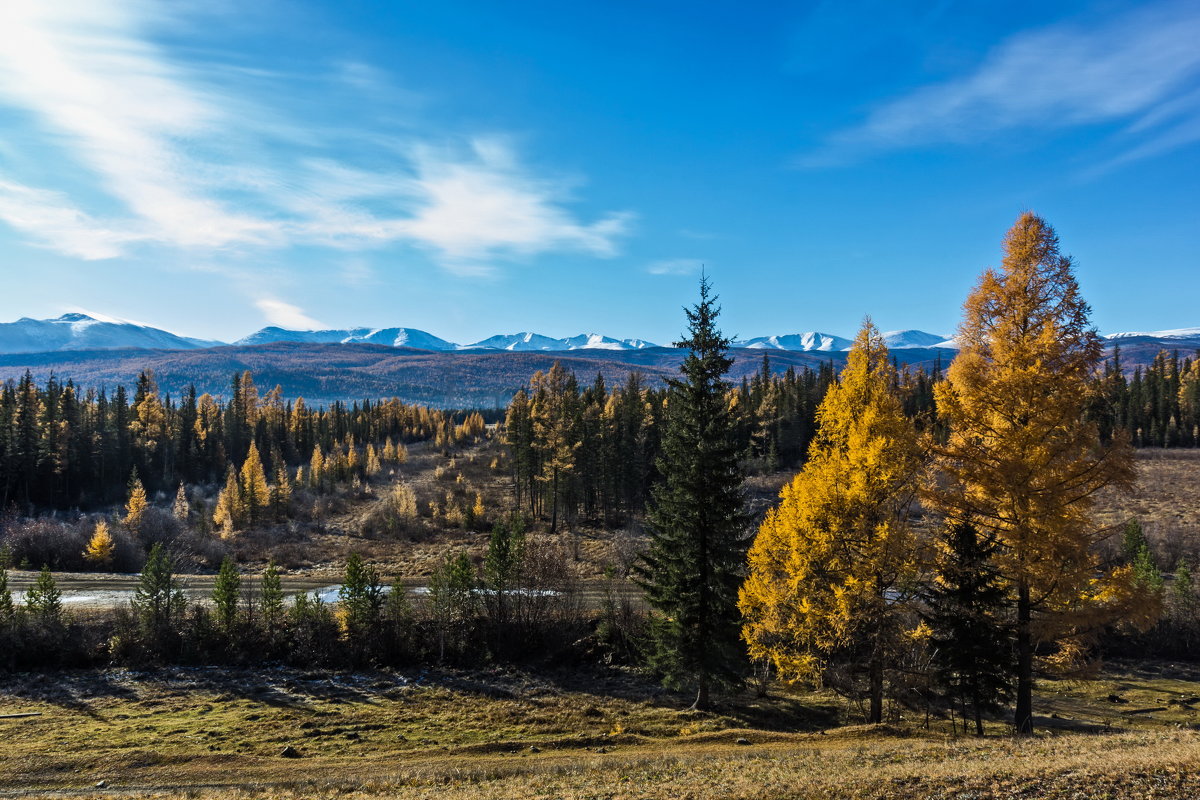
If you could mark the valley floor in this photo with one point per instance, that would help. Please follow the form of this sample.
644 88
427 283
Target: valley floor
209 732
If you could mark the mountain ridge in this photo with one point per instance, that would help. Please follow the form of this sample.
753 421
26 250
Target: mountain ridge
77 331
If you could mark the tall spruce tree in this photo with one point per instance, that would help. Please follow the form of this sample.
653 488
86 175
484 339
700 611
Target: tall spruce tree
972 644
697 520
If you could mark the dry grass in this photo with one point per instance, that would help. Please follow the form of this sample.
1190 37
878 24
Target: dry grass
1166 500
219 733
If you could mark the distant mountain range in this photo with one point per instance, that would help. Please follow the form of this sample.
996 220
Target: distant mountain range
83 332
362 363
79 331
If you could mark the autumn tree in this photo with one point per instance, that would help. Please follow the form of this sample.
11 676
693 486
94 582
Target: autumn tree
256 496
230 512
181 509
832 566
135 503
697 520
1023 461
553 412
101 546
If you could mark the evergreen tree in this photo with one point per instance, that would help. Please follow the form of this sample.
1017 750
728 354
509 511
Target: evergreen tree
452 600
972 646
158 602
43 601
7 609
362 598
697 520
225 595
502 565
270 600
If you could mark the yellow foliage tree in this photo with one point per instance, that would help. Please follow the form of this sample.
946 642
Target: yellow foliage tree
100 548
1023 462
316 469
256 496
281 492
829 566
230 512
136 503
373 464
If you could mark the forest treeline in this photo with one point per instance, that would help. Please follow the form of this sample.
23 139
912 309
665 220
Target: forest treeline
63 447
589 451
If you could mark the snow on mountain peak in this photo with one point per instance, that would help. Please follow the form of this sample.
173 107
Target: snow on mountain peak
1173 333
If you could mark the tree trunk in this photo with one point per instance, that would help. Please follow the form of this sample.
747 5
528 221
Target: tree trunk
701 703
1023 718
876 689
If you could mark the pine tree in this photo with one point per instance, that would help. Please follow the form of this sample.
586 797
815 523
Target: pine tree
362 597
831 567
225 595
972 646
697 521
135 503
43 601
158 602
502 565
1023 461
270 600
8 611
452 600
101 546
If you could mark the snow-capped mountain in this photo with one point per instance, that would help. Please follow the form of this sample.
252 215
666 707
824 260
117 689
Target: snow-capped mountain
77 331
1175 333
595 341
904 340
518 342
391 337
811 340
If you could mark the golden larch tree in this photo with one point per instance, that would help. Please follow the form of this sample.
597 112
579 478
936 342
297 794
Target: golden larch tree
830 566
135 503
1023 462
230 512
256 496
100 547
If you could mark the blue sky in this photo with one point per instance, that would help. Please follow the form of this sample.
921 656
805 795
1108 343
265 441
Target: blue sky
478 168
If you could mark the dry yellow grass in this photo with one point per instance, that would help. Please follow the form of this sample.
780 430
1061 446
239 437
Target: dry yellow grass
216 733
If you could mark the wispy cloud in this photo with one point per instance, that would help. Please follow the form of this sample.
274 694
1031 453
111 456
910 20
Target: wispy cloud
1139 70
286 315
675 266
188 162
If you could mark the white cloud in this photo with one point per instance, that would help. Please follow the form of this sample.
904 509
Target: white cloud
286 315
53 222
675 266
196 164
1133 68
